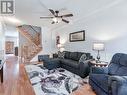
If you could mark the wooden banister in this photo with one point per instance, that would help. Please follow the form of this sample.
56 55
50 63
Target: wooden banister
36 39
33 45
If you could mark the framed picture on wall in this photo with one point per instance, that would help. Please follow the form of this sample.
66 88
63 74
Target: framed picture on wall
77 36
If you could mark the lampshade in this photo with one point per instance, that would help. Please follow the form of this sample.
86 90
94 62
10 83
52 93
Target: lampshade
56 20
98 46
62 49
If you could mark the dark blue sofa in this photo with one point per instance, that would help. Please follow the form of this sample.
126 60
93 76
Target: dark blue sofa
71 63
111 80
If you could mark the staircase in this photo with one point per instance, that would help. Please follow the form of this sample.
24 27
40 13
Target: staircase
32 44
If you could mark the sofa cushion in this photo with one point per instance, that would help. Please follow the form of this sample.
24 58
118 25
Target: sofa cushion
116 58
43 57
101 80
118 65
123 60
119 70
52 63
122 71
73 56
79 54
83 58
112 68
67 55
69 62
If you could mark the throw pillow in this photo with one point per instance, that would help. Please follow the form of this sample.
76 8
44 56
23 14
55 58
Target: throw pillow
83 58
67 55
61 54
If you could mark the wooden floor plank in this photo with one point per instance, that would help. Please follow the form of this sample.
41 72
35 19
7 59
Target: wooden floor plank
84 90
16 81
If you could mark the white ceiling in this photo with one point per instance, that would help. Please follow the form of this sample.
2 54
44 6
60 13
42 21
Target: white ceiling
29 11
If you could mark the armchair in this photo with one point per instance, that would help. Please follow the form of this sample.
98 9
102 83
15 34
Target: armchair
111 80
118 84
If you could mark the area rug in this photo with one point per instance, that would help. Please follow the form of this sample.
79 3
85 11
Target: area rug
52 82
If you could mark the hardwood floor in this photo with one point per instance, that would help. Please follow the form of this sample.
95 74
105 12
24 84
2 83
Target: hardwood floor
85 90
16 81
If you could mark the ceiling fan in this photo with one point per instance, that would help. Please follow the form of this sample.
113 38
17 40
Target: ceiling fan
56 17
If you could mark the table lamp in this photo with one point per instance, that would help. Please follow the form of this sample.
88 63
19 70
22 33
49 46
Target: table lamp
98 46
60 47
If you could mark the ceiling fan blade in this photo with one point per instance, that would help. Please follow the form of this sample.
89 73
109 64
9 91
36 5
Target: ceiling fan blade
46 17
52 11
57 12
65 21
67 15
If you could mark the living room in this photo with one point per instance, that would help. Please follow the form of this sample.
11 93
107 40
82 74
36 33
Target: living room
99 22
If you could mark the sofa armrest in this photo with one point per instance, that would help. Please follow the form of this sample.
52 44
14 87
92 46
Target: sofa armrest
84 63
119 79
42 57
84 68
99 70
117 85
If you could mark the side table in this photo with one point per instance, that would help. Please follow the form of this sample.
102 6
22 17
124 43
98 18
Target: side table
100 64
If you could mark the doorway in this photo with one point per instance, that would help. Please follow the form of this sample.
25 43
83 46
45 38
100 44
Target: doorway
9 46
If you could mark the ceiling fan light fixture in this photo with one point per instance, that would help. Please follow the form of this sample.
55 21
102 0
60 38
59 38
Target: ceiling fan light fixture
55 20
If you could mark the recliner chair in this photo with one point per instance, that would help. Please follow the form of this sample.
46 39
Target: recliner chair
111 80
